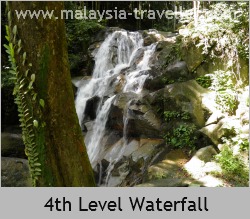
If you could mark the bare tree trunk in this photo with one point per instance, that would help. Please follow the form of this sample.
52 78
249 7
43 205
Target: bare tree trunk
54 142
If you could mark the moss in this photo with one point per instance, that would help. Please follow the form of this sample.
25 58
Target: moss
42 76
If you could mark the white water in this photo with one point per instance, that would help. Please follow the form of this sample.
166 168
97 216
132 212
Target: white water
117 52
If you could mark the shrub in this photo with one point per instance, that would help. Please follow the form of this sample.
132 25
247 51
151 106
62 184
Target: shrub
182 136
233 168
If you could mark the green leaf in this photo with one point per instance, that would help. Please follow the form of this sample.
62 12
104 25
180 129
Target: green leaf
30 85
34 96
26 73
24 56
33 77
19 43
35 123
14 31
37 174
7 38
9 16
41 101
18 50
6 46
12 72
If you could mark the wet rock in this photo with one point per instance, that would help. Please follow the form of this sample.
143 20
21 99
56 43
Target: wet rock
141 119
15 172
91 107
150 39
178 70
131 159
89 125
12 145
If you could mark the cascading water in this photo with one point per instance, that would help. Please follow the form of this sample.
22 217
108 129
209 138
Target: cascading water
119 51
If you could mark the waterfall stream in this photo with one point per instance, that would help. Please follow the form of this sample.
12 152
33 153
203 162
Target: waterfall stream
121 55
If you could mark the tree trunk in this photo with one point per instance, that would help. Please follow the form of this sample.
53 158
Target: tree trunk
41 56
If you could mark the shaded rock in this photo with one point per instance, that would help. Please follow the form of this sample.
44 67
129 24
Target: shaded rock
205 154
178 70
15 172
150 39
16 129
80 80
169 167
91 107
193 56
12 145
211 65
141 119
188 98
131 159
146 148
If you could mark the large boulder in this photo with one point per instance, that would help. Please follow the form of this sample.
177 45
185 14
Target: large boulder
188 97
141 120
128 161
15 172
193 56
169 167
12 145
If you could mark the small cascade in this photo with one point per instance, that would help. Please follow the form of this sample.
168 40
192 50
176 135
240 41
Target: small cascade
94 150
125 138
121 55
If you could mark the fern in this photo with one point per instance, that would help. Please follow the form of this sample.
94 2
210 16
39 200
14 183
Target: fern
22 91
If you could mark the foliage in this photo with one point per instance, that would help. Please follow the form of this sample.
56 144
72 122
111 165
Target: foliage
233 168
237 139
24 96
79 33
169 115
182 136
222 82
223 30
204 81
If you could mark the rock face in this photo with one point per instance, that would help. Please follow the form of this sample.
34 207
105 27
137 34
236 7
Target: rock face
14 164
134 148
12 145
200 167
15 172
136 156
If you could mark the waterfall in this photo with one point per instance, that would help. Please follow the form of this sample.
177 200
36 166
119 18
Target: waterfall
122 54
